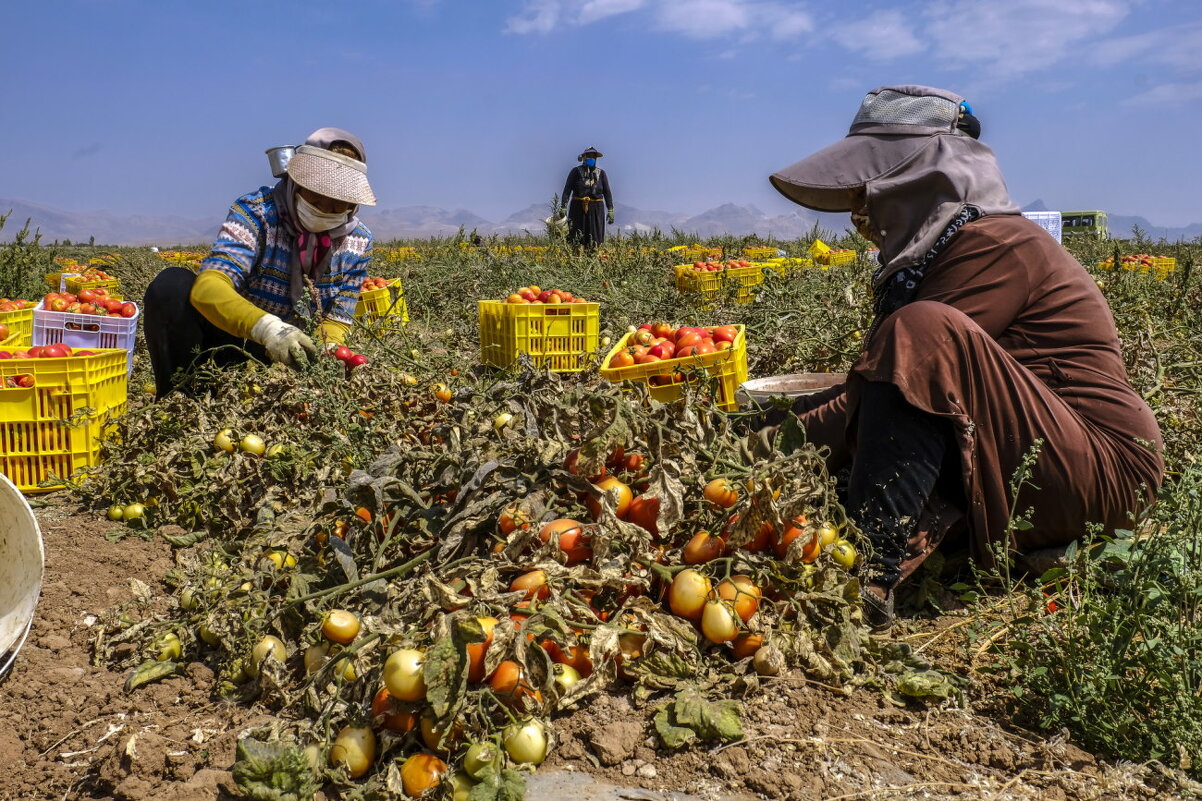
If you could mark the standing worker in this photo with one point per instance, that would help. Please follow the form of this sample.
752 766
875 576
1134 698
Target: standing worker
250 291
591 203
988 338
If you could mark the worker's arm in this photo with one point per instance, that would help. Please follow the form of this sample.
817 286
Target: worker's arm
609 196
566 197
215 298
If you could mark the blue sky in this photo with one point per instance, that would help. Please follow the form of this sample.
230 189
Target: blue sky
166 107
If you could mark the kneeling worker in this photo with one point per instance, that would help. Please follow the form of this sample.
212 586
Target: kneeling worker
250 291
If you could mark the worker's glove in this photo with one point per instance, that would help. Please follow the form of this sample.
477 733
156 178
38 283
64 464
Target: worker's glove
283 342
609 218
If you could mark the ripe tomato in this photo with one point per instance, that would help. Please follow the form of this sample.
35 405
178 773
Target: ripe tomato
719 623
742 593
662 330
403 675
703 347
571 463
390 715
725 333
617 490
571 538
646 358
421 773
442 392
475 650
787 536
642 337
439 739
746 644
688 593
534 583
340 626
510 684
128 309
622 358
354 749
573 656
721 493
644 512
703 547
686 340
662 350
512 518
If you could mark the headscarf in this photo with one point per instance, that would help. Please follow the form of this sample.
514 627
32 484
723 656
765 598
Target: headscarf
311 251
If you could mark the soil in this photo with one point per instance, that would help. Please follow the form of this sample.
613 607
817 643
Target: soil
68 730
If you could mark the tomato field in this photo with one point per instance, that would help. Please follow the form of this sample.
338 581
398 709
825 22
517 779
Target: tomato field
402 570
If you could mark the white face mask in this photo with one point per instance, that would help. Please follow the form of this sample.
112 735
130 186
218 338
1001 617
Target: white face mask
315 220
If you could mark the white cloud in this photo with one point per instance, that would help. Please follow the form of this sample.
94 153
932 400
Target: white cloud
537 16
1167 95
594 10
695 19
1017 37
883 36
1176 47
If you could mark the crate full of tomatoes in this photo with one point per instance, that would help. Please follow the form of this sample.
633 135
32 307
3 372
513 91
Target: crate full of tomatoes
667 358
711 278
92 278
380 298
553 327
55 402
92 319
16 322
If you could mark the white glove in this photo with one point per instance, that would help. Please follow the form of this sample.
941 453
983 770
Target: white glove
283 342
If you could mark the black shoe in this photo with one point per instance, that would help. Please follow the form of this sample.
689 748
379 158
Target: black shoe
878 613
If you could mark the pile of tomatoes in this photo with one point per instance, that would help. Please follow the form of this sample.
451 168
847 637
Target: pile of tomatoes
93 274
14 305
717 266
535 294
57 351
370 284
94 301
654 342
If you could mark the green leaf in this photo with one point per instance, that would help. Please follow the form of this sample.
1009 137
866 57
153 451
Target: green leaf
507 785
277 771
445 670
791 436
691 716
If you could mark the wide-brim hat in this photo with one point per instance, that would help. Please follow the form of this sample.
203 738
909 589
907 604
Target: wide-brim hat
591 152
332 175
893 125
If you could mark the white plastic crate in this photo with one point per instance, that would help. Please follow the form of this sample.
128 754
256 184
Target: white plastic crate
90 331
1049 221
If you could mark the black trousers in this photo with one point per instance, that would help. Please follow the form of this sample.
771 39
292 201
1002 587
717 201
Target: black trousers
903 456
179 337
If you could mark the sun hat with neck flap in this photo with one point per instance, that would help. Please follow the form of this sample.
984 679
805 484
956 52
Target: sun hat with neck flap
914 151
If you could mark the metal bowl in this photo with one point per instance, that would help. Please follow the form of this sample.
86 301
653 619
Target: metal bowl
760 391
278 158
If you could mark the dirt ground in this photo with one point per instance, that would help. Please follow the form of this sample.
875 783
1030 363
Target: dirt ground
67 730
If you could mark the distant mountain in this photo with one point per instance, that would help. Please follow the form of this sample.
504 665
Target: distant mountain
426 221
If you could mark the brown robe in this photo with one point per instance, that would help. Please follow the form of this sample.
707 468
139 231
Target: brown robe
1010 339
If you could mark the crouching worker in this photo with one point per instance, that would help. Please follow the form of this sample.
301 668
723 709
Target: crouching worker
988 337
250 291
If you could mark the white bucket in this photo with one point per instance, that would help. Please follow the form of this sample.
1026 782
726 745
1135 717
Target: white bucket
21 558
760 391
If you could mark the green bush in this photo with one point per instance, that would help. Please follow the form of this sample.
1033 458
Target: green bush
1110 647
24 264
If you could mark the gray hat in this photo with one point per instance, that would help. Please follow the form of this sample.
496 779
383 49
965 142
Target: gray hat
893 125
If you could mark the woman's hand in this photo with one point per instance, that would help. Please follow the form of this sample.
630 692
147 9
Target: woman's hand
283 342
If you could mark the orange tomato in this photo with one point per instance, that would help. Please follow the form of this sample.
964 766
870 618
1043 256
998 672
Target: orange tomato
618 491
475 650
390 714
742 592
746 644
534 583
703 547
510 684
644 512
721 493
420 773
571 538
512 518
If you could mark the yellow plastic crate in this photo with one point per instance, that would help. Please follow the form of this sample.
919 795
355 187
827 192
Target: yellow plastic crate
76 284
54 427
20 327
710 284
666 379
759 253
388 301
834 258
559 336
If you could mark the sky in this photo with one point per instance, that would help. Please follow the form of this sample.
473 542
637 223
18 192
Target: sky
167 107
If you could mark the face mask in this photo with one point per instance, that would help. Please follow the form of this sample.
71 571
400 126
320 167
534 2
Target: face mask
590 162
315 220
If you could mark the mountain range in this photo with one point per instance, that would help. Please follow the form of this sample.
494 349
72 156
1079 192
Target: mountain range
406 222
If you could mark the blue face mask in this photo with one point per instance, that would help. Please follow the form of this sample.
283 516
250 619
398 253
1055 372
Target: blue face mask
590 162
